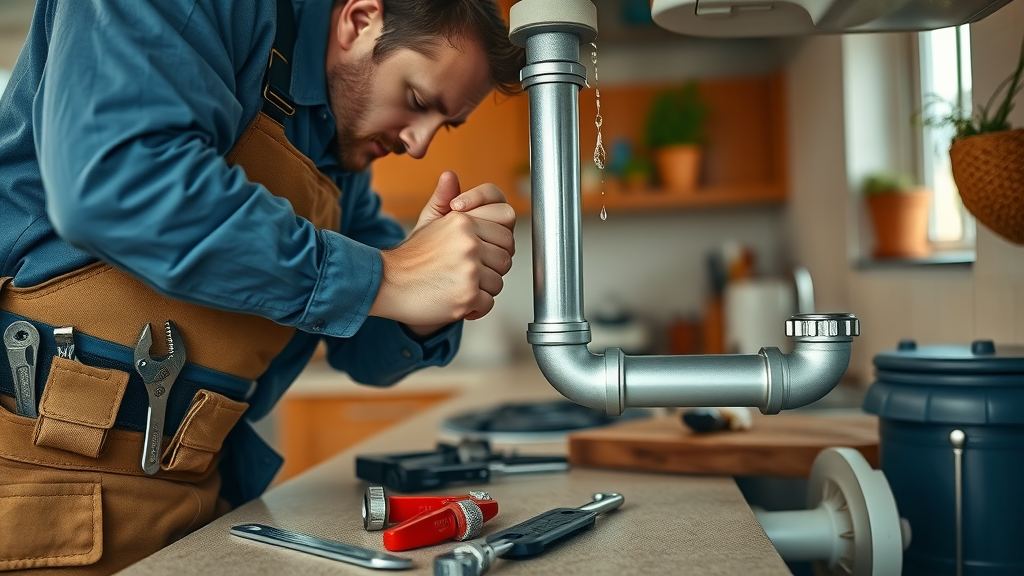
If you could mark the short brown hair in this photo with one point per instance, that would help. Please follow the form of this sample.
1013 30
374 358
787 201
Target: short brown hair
419 25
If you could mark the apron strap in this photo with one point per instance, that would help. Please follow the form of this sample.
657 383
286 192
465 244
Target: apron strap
277 83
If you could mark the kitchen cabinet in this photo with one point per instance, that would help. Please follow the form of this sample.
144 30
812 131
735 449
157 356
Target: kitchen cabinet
314 427
744 162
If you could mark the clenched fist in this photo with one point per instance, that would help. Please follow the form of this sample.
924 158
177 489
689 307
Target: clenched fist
451 265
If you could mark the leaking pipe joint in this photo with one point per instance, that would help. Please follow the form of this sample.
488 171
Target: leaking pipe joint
552 32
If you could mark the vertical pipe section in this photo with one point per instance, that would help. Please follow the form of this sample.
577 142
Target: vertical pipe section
555 169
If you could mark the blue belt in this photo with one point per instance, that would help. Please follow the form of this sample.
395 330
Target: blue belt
131 415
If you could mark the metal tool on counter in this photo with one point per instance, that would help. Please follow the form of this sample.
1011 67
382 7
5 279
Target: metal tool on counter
526 539
64 338
320 547
417 471
22 342
702 420
158 376
381 509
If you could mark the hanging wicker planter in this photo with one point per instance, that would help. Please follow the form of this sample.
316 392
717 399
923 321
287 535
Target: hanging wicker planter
989 172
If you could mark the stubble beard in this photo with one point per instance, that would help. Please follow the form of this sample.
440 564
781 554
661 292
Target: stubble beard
348 89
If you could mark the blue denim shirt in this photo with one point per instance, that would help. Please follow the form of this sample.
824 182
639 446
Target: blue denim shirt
113 130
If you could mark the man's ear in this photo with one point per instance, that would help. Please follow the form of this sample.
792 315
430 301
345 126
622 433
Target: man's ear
359 21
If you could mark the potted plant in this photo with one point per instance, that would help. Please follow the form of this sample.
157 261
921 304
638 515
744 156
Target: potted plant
675 135
899 215
987 158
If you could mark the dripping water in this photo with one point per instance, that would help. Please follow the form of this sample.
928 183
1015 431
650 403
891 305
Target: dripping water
600 156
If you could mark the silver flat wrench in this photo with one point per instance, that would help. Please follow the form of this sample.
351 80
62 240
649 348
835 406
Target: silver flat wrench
158 376
321 547
525 539
22 342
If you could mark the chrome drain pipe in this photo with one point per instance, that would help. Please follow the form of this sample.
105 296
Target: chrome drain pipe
552 32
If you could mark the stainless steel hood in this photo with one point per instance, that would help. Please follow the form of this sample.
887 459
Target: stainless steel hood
758 18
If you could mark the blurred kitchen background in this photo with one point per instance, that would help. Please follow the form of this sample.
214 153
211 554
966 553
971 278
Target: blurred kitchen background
793 128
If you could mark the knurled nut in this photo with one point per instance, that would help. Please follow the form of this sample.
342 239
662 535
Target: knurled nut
479 495
823 327
375 508
474 519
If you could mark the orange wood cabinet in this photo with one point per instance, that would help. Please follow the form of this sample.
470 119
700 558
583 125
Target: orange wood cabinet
314 428
744 161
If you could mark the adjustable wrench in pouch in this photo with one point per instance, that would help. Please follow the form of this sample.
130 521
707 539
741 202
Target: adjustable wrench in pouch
22 342
158 376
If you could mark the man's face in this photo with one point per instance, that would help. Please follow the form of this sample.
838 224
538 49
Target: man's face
398 105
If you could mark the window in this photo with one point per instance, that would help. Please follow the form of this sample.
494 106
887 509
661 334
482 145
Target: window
945 81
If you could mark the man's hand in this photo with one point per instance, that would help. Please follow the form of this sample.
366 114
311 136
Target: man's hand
452 264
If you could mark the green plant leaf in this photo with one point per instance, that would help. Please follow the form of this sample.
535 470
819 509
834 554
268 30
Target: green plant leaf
966 124
677 116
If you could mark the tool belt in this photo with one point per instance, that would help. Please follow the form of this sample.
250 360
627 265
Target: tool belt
85 404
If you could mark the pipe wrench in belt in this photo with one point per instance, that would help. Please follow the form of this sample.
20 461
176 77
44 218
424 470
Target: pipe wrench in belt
158 376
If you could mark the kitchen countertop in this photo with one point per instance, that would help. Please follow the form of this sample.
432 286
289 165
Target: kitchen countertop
669 524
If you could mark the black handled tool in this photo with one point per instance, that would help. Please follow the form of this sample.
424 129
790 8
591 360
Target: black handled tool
524 539
414 472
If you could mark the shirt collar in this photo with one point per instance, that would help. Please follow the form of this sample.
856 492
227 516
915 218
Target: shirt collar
309 77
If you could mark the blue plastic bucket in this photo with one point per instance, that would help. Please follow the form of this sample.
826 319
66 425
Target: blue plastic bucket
921 395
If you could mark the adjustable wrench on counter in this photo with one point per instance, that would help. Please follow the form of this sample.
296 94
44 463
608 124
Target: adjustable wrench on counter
158 376
22 342
525 539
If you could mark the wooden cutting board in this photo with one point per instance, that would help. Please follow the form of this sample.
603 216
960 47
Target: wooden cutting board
782 445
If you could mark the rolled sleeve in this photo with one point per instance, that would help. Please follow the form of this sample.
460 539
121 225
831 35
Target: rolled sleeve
350 275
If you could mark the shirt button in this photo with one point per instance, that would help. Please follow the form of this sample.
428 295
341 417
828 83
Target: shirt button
406 352
319 325
323 116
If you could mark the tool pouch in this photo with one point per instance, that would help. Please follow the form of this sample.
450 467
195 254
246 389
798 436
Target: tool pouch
202 432
78 407
50 525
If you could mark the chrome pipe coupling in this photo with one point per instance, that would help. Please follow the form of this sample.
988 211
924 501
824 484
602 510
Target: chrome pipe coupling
776 381
552 333
823 327
553 72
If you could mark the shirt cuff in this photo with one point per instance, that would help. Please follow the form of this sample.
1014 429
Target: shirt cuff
350 276
437 349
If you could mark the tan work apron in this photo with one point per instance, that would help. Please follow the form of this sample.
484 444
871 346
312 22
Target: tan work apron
73 496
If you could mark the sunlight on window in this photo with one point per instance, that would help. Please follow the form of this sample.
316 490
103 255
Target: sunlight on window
945 82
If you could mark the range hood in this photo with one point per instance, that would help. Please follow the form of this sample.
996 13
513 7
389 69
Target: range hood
758 18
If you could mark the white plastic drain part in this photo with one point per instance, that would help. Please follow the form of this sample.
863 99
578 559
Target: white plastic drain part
851 526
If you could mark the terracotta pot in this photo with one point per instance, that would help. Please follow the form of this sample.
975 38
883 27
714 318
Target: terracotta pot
678 167
989 173
900 221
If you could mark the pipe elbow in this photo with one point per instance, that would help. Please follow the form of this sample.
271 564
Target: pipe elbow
813 369
588 379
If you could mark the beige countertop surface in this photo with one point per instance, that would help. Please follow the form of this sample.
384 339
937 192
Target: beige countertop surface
669 524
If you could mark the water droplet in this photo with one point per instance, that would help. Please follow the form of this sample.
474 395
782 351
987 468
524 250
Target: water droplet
600 155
